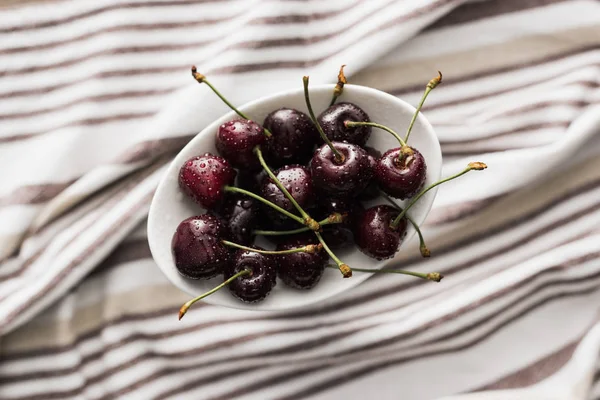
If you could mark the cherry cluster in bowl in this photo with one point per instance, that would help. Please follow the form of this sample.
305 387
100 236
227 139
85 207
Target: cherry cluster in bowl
299 181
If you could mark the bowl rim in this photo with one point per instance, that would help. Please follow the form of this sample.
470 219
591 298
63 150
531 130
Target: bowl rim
174 164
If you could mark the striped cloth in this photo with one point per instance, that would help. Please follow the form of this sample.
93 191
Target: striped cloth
96 98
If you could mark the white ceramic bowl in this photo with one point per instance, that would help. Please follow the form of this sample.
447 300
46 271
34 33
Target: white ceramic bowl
169 206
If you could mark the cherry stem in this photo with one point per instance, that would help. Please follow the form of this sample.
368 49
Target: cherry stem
430 276
339 87
307 219
264 201
344 268
352 124
202 79
477 166
184 308
430 86
334 218
309 248
339 157
422 246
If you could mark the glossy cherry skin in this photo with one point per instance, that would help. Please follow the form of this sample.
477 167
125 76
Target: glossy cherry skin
332 122
340 235
204 178
249 180
256 286
373 234
371 192
236 141
300 270
241 215
297 180
294 137
403 179
197 249
347 178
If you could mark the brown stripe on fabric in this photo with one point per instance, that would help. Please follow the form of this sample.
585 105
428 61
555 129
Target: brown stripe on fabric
364 371
81 122
476 11
33 194
535 372
98 11
550 204
150 149
453 213
126 252
524 128
129 94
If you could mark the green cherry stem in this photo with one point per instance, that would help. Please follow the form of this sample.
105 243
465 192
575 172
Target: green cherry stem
430 86
307 219
477 166
339 157
200 78
344 268
339 87
234 189
334 218
422 246
309 248
431 276
184 308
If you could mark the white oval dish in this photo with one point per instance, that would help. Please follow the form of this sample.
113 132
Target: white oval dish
169 206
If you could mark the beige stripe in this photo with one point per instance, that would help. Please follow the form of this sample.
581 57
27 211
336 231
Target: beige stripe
63 332
471 62
33 194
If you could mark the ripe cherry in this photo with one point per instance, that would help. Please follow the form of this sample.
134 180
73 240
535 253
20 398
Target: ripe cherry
241 215
256 285
236 140
339 235
204 178
347 177
294 137
300 270
371 192
401 173
297 180
332 121
197 248
373 234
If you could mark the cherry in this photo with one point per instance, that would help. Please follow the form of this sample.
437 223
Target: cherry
297 180
294 137
204 178
197 247
332 121
341 178
339 235
300 270
401 173
374 235
258 283
371 192
236 140
241 215
249 180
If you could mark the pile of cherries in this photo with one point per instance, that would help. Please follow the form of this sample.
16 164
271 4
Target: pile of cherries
299 182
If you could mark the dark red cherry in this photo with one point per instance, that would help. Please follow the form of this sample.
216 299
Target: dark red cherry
401 179
294 137
241 215
371 192
203 178
332 123
373 234
197 248
340 235
249 180
297 180
256 286
236 140
300 270
347 178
